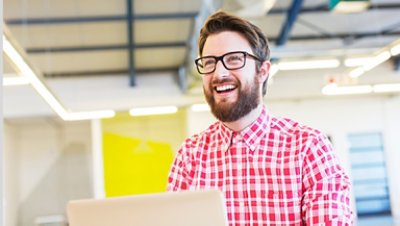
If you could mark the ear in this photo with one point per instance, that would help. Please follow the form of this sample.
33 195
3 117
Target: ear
264 71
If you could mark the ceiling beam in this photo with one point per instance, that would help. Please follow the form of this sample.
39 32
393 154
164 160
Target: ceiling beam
39 50
122 71
131 59
341 36
290 19
325 8
96 19
183 44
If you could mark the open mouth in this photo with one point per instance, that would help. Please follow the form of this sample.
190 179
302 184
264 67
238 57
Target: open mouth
224 88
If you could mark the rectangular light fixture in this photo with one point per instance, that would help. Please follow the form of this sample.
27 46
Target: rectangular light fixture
333 89
376 60
31 76
27 72
383 88
356 61
370 64
308 64
395 50
357 72
86 115
15 81
153 110
200 107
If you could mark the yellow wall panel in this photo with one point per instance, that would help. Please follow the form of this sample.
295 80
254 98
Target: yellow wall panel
138 152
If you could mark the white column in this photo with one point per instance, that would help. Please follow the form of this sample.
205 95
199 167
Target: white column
97 163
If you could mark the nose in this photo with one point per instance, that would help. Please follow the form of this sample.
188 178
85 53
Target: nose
220 70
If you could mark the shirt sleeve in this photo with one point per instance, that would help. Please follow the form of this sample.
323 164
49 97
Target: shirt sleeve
180 173
326 187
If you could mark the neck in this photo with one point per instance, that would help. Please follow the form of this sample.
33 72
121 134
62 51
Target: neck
246 120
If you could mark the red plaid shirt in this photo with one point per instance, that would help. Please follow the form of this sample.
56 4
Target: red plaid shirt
274 172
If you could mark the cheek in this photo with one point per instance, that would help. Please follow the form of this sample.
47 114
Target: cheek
248 77
206 82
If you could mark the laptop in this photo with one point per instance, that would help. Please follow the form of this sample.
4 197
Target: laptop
185 208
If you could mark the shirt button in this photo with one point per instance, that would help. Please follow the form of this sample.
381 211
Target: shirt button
235 139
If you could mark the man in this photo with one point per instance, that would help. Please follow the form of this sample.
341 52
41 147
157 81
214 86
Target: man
272 171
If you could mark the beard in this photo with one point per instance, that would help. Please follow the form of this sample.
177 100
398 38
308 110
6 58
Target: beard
248 99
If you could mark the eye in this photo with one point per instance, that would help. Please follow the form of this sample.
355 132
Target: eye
208 62
233 59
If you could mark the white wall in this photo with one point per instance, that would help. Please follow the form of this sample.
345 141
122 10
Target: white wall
392 144
11 188
339 117
48 163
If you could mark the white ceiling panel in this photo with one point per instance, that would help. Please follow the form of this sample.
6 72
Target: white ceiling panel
378 20
17 9
163 6
80 61
160 58
70 35
149 31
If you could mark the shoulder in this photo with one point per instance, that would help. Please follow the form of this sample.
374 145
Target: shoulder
305 137
290 127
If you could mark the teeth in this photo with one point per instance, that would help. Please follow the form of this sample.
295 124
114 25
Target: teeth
224 88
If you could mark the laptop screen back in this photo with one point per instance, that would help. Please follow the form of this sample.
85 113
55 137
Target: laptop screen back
187 208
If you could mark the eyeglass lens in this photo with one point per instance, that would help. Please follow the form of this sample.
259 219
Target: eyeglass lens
231 61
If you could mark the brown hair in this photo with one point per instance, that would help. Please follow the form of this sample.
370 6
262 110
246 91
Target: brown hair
222 21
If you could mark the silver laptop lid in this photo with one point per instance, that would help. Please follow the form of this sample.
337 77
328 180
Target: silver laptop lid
186 208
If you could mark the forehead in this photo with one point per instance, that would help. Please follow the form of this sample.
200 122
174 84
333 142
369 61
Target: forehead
225 41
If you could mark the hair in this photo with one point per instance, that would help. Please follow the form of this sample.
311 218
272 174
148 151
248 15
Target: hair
222 21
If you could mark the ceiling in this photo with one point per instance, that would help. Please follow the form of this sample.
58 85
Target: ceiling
101 54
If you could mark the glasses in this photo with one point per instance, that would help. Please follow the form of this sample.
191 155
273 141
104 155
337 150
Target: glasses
231 61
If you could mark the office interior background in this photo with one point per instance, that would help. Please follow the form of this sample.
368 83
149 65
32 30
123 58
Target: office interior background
82 79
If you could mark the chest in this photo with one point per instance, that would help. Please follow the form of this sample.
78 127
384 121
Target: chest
271 167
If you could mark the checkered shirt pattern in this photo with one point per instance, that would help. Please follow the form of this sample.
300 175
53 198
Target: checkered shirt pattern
274 172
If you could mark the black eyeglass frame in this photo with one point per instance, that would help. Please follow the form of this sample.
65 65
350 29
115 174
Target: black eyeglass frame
220 58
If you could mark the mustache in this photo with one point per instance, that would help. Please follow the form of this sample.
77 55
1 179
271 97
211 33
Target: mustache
224 80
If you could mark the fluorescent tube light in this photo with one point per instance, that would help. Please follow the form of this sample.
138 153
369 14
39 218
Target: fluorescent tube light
15 81
357 72
368 65
200 107
333 89
28 73
329 89
85 115
309 64
395 50
153 110
382 88
378 59
356 61
26 70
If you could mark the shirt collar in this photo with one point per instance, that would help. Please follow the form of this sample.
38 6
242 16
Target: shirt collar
251 134
226 136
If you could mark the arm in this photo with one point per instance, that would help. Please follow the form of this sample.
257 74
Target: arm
180 174
326 187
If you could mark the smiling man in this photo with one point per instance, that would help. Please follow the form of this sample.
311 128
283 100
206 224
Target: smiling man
272 170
